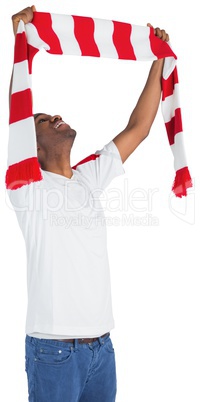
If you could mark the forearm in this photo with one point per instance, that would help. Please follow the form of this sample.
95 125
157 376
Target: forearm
146 108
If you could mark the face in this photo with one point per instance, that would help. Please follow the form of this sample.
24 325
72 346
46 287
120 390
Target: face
54 137
52 131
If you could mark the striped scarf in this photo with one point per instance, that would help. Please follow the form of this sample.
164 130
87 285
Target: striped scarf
84 36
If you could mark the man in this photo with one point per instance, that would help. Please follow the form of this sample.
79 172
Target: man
69 353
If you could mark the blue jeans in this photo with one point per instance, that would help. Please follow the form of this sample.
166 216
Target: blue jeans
70 372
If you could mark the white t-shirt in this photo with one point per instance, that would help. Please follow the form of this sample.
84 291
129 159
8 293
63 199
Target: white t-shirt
63 225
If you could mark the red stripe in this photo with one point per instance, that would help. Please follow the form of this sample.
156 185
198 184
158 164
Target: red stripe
24 51
21 106
122 42
174 126
84 33
182 182
168 85
23 173
89 158
31 53
20 53
43 24
159 48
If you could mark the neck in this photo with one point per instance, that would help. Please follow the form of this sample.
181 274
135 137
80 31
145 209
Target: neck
59 164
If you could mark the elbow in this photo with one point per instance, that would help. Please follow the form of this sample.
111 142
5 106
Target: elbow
140 130
144 130
140 126
145 134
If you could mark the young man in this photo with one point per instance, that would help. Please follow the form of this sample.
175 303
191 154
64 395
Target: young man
69 353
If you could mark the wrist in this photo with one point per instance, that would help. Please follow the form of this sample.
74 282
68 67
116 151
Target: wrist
157 66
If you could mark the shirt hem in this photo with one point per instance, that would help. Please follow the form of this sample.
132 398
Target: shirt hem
71 334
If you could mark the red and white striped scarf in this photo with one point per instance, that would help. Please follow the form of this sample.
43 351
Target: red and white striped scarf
84 36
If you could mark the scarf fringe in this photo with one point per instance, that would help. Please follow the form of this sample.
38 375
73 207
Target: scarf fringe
23 173
182 182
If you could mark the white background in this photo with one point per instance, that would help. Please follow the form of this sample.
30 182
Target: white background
154 259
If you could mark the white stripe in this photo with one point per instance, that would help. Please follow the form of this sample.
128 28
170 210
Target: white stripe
141 43
63 26
169 65
170 104
33 37
103 34
21 77
21 27
22 141
179 152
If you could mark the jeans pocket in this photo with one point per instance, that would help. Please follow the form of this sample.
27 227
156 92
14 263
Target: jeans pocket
109 346
48 354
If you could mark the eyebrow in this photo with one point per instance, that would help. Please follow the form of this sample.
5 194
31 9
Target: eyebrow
38 114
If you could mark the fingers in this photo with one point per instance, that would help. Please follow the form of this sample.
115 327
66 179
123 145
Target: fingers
160 33
26 15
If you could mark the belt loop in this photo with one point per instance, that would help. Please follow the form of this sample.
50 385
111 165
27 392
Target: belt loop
101 341
75 344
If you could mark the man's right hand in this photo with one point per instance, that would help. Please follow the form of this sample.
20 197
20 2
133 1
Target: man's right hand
25 15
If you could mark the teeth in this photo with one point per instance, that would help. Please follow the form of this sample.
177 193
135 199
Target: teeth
59 124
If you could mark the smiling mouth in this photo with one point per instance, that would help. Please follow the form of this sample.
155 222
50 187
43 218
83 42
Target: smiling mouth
58 124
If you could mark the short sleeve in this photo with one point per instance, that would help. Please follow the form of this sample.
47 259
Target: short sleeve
100 168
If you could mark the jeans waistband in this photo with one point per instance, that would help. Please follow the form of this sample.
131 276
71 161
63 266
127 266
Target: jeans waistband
74 341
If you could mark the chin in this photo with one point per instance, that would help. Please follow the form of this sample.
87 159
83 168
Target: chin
72 133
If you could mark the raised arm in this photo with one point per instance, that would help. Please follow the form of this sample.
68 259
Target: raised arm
145 110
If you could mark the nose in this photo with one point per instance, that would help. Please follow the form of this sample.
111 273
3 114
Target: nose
55 117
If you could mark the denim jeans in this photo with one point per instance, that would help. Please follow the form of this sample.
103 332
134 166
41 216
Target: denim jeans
70 372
